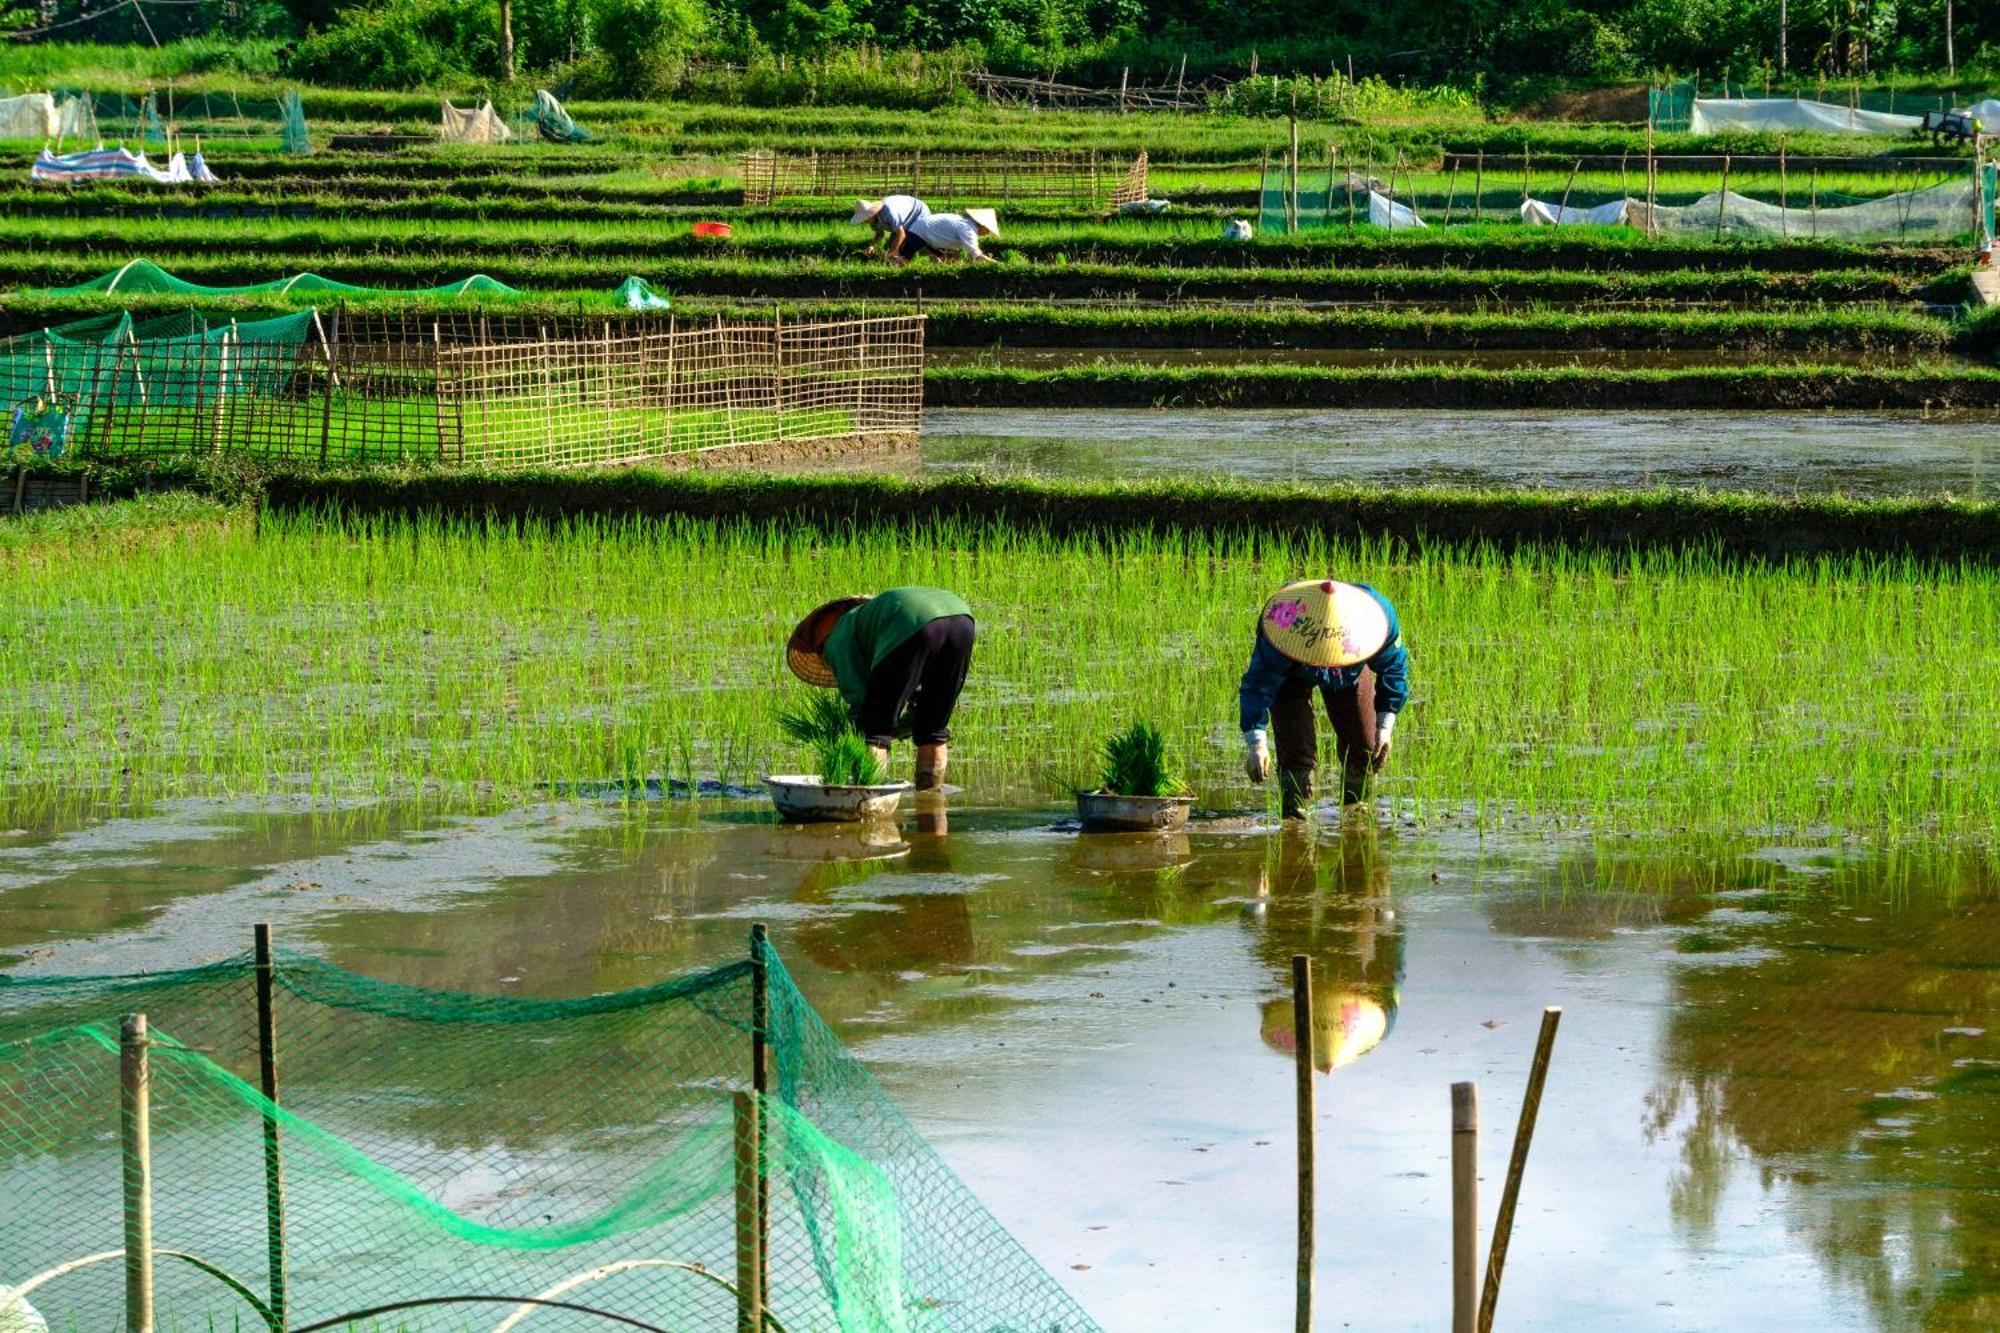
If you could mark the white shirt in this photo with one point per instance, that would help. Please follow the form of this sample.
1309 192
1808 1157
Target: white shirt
901 212
948 232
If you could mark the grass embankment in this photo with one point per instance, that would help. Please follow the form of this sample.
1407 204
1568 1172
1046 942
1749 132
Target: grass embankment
1110 384
1664 693
1165 242
1013 280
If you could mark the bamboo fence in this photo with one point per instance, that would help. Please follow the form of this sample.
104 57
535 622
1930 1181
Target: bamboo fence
1085 179
505 393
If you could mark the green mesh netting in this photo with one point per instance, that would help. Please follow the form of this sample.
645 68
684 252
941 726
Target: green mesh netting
439 1143
173 361
146 277
548 119
292 123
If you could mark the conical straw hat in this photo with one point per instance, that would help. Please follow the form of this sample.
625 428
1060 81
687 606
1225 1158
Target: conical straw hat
805 651
985 219
1320 623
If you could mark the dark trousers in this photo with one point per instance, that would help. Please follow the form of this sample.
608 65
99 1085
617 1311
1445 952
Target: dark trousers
911 247
1295 732
924 675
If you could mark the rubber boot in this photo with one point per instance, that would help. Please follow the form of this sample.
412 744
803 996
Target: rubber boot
1295 791
931 763
880 754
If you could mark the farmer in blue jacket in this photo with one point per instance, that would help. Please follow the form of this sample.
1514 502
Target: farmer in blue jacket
1342 641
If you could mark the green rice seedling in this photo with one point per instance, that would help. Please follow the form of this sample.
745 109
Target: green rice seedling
1136 764
457 664
845 761
823 720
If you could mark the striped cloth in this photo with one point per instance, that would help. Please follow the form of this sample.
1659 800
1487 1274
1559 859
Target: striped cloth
109 164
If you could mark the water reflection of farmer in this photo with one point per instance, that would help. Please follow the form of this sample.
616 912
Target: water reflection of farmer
899 659
1342 641
888 933
1332 904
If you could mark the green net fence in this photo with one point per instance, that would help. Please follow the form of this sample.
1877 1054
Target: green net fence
144 277
478 1150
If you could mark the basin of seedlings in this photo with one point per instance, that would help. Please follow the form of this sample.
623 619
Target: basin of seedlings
1138 791
850 785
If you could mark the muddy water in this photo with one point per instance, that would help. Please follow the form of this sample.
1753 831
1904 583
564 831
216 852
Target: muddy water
1856 453
1773 1103
1053 358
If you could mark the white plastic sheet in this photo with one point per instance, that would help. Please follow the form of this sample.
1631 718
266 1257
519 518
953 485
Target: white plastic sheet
1538 214
29 117
1987 113
1713 115
481 126
1386 212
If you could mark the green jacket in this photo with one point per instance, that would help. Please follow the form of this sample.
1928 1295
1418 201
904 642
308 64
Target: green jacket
878 627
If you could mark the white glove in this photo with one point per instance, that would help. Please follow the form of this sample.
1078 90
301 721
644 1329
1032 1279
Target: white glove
1256 756
1385 727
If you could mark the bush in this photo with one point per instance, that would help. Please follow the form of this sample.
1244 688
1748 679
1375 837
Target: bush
644 41
403 44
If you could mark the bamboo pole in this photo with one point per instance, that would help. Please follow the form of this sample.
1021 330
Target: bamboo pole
1814 185
1567 186
274 1165
1784 194
1478 184
749 1214
1302 1074
1292 213
760 1078
1451 193
1510 1194
136 1133
1464 1207
1722 198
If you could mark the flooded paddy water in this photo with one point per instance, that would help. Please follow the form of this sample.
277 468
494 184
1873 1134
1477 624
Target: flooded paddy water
1803 453
1772 1105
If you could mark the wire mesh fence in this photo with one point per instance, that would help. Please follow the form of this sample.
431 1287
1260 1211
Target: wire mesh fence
1085 179
469 390
332 1144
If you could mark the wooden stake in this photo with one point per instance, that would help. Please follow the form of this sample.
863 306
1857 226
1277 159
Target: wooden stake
1478 184
749 1215
1784 194
274 1166
1464 1207
1302 1073
136 1133
1567 186
1510 1194
1451 193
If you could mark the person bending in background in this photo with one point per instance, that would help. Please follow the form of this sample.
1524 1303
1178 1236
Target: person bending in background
894 222
947 234
1341 641
897 658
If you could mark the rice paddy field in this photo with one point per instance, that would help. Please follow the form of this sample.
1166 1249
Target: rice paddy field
1691 540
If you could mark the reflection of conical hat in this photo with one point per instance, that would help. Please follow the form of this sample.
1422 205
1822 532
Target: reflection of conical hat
805 651
1346 1026
1320 623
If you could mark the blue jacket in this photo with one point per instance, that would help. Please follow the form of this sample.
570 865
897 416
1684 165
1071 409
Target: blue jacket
1270 669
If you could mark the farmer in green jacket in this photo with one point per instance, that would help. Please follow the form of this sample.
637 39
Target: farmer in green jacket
899 659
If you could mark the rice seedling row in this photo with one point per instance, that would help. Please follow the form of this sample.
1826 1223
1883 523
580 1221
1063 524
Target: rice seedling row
1691 695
